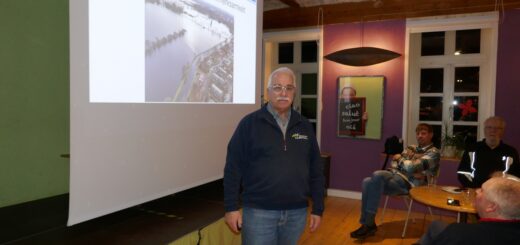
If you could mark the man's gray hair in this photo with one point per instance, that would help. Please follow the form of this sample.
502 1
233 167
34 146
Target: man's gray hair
505 193
498 119
285 70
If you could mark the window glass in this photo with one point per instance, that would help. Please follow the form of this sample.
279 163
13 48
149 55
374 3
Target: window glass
436 139
467 41
467 79
432 80
285 53
468 133
309 107
430 109
309 84
465 108
309 52
432 43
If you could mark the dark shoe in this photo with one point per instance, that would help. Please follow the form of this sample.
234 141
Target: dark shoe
364 231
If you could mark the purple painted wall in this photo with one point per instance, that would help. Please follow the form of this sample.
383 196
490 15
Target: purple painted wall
508 78
354 159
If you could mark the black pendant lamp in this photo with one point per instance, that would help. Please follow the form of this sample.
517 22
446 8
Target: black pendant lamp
362 56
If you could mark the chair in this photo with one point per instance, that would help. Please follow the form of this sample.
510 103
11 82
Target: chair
408 201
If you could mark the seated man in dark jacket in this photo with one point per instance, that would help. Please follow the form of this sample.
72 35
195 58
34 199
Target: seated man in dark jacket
498 205
488 156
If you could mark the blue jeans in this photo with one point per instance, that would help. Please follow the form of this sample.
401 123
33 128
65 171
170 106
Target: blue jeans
381 182
272 227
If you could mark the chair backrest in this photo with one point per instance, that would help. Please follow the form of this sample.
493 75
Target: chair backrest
393 145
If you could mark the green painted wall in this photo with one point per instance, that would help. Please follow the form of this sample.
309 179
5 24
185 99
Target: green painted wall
34 99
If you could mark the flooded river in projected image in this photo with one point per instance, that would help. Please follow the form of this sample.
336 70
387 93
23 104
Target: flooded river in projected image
179 37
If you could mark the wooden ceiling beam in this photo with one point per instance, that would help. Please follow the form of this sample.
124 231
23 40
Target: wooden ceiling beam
291 3
365 11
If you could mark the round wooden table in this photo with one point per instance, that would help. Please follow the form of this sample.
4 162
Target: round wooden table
435 196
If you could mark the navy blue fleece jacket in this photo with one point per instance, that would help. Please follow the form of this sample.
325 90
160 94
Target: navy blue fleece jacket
275 173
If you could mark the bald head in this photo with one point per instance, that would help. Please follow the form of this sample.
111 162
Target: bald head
504 193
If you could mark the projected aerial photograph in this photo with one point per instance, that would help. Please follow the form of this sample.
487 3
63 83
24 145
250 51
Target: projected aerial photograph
189 52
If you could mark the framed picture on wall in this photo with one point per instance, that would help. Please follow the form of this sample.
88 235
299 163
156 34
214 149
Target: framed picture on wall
360 106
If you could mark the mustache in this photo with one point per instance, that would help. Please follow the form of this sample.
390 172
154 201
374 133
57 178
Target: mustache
282 98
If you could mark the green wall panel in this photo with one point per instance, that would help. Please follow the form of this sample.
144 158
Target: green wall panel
34 99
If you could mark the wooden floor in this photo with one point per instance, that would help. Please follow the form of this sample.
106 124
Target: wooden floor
186 212
341 216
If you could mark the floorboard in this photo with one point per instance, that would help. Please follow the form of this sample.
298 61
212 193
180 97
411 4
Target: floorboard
341 216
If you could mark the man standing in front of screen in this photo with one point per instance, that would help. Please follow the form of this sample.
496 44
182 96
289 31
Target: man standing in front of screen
274 156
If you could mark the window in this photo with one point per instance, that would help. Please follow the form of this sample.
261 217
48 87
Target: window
451 75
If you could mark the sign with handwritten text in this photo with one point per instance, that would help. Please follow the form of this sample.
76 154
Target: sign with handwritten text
359 107
350 116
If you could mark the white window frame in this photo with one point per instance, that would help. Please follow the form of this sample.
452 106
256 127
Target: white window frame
487 60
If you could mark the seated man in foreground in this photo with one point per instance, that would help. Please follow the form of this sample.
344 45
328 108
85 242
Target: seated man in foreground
498 205
410 168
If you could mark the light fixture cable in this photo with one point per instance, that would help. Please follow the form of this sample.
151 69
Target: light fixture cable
362 31
499 7
320 24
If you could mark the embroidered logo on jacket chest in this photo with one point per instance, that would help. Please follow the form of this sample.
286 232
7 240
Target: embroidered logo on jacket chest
298 136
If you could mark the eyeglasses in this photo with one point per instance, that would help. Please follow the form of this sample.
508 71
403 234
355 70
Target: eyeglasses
279 88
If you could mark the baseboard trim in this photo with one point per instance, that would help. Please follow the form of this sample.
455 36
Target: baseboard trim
345 194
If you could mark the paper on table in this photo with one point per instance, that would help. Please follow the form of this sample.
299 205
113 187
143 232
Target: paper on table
453 189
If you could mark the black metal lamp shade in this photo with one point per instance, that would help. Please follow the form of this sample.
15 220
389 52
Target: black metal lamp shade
362 56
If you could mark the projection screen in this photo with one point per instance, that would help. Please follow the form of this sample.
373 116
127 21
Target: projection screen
157 88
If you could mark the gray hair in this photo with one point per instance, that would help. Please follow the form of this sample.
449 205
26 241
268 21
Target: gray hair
498 119
285 70
505 193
